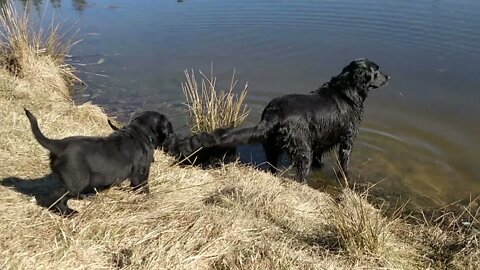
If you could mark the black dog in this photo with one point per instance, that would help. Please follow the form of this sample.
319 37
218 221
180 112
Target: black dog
307 126
201 149
85 164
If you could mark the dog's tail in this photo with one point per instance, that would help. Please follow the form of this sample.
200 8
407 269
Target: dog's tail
52 145
253 134
112 126
189 145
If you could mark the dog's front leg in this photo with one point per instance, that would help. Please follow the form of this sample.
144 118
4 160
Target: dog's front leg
344 154
141 182
346 146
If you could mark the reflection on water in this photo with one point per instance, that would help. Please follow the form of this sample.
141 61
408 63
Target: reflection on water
78 5
419 136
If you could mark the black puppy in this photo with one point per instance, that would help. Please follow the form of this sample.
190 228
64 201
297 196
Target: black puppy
84 164
306 126
200 149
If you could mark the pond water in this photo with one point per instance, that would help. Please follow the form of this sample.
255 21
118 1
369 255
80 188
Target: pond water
420 138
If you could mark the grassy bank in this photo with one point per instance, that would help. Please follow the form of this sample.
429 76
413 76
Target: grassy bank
233 217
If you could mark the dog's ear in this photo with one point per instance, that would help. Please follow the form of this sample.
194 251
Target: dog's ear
164 129
361 80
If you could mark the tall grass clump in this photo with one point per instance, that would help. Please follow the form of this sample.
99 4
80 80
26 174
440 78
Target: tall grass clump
21 43
363 230
209 108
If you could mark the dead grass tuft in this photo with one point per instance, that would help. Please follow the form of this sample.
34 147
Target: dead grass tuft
361 228
209 108
365 233
21 44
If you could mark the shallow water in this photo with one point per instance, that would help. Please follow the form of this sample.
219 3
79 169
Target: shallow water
420 135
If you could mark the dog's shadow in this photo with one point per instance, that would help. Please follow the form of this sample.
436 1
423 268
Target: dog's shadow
40 188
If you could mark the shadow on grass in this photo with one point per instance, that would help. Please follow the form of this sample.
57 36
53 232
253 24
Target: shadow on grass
40 188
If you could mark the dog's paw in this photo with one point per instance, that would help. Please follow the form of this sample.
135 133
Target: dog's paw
67 213
141 189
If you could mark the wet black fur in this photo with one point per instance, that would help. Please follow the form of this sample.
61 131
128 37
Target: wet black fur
85 164
308 125
200 149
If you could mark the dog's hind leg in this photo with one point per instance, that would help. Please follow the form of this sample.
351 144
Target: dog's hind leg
60 198
75 178
301 155
272 152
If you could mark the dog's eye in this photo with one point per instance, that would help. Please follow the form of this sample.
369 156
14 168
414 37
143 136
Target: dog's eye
376 75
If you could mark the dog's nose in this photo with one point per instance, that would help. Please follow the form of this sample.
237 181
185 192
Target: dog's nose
388 77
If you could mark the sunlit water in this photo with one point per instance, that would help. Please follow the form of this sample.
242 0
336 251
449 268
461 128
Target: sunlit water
420 135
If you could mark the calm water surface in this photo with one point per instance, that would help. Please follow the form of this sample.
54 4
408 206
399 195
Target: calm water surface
420 136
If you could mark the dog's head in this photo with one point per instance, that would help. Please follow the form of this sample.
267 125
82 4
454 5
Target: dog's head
155 125
364 75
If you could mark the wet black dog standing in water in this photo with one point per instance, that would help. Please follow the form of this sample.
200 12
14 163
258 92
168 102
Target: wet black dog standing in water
83 164
307 126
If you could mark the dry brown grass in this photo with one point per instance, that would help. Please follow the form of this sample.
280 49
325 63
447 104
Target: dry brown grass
21 44
450 240
233 217
209 108
361 228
